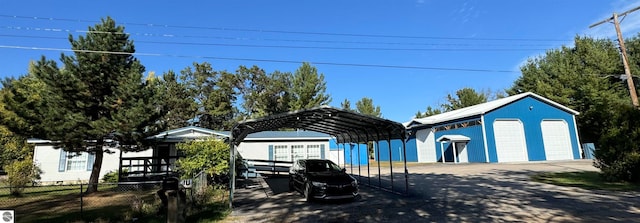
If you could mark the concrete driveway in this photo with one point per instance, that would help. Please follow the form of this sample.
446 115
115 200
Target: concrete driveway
448 193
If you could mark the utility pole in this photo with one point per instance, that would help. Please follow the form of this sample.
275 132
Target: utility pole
623 51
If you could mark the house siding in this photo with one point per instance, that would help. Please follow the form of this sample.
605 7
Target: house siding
396 152
48 159
475 146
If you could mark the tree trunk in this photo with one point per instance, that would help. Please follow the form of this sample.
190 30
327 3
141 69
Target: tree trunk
95 171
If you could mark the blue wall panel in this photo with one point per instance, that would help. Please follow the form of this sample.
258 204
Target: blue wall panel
530 112
396 151
475 146
333 144
350 149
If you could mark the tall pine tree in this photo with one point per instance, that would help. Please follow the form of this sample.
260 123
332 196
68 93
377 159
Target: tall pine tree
308 88
99 97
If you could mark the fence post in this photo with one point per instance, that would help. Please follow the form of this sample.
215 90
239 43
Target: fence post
81 202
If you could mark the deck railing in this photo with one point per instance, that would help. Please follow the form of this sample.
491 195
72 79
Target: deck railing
146 168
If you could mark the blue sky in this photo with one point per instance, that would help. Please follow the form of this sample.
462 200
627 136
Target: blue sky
405 55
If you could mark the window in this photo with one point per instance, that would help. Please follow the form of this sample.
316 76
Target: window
281 153
75 161
313 152
298 152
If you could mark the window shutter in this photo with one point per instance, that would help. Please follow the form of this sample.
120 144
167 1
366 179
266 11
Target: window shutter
321 151
270 152
63 160
90 159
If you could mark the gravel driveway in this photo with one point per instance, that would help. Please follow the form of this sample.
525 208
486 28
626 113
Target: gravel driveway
448 193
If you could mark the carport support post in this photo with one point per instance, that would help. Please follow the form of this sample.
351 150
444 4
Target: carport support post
406 171
232 168
359 174
390 162
378 160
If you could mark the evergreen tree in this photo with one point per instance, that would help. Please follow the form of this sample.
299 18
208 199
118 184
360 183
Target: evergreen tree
365 106
346 105
98 97
464 98
214 92
308 88
180 107
264 94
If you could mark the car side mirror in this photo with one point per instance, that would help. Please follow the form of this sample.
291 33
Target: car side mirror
344 170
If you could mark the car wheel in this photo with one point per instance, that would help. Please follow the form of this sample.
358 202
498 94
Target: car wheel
307 192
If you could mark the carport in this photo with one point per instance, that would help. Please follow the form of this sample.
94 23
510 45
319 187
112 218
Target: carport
345 126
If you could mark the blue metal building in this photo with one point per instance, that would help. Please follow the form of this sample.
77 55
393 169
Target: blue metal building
523 127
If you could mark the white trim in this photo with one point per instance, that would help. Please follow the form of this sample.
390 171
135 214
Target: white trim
575 129
453 138
484 138
484 108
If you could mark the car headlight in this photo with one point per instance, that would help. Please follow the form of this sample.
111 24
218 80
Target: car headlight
318 184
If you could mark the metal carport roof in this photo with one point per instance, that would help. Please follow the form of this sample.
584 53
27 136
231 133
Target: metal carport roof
346 126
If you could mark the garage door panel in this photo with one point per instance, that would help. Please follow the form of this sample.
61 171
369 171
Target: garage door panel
556 140
510 140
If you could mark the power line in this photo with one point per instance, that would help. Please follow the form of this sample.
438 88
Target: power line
302 47
286 32
262 39
259 60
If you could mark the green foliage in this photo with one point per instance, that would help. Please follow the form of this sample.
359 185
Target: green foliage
346 105
13 147
464 98
582 77
180 106
365 106
210 154
215 94
308 88
618 155
20 173
112 176
264 94
96 97
429 112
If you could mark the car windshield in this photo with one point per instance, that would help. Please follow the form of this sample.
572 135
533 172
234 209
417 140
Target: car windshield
322 166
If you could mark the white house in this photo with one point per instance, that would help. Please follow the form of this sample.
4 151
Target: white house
59 166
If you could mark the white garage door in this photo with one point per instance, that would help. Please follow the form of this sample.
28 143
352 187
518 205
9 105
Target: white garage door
556 140
511 145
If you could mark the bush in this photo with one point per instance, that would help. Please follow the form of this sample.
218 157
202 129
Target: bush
112 176
627 168
20 174
618 153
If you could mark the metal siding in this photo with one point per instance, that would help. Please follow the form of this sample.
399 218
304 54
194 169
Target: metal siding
530 112
475 146
412 150
351 154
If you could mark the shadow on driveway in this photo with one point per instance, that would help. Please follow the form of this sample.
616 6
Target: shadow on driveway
493 196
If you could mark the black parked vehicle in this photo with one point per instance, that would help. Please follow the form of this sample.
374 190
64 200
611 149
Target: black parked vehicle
321 179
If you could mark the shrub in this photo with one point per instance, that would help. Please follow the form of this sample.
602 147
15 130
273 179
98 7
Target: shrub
112 176
20 173
627 168
618 153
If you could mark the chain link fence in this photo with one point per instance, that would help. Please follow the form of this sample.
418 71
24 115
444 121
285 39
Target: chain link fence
113 202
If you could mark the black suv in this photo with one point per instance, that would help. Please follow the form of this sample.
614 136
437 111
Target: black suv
321 179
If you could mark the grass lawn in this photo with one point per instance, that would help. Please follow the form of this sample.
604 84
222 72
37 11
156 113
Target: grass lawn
584 179
110 204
